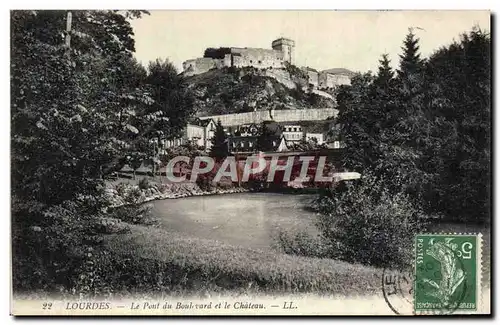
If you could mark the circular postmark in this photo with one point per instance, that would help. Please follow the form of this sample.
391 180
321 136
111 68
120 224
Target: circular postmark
397 288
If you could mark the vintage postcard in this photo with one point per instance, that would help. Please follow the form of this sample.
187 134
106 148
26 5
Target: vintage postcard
250 162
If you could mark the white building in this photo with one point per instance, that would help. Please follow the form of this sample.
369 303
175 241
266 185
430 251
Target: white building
293 133
318 136
199 133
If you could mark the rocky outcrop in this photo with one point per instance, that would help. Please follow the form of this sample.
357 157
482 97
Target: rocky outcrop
239 90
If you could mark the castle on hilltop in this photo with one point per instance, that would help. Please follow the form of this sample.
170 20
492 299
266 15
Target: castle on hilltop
217 58
282 52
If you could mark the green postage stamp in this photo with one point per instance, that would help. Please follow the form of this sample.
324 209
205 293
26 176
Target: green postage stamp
447 273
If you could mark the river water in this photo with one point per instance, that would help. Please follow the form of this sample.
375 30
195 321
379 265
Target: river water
246 219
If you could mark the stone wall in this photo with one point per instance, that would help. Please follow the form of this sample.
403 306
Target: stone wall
239 57
327 80
313 114
313 77
281 76
201 65
258 58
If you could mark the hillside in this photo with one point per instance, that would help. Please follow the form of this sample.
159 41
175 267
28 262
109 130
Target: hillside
237 90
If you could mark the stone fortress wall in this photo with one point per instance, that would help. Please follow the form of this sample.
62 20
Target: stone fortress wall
272 60
291 115
328 80
258 58
275 58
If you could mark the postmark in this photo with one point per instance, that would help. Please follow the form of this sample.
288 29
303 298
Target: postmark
397 288
447 273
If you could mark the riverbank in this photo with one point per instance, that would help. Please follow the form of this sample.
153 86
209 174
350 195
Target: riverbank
121 194
124 193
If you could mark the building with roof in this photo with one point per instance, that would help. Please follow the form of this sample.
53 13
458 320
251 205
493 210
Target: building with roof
292 133
319 138
248 144
198 132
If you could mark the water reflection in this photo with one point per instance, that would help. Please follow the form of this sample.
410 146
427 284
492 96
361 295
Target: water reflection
247 219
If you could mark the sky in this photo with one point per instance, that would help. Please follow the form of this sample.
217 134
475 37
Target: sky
323 39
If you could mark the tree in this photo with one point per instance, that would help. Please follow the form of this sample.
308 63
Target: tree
408 119
171 95
427 129
457 154
265 138
135 161
219 148
410 63
71 113
70 102
354 118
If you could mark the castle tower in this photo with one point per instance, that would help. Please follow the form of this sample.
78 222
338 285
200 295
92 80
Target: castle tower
286 46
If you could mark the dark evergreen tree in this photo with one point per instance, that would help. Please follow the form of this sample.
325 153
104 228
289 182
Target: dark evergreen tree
411 62
408 116
457 152
385 74
265 138
355 122
219 148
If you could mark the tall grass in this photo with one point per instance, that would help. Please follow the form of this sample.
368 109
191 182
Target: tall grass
153 260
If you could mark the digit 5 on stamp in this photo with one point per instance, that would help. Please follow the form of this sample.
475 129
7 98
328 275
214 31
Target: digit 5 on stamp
447 273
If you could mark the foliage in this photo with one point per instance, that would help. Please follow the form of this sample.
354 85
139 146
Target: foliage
205 181
216 53
144 184
307 145
458 152
265 138
426 129
188 150
135 160
171 96
296 72
237 90
301 244
200 266
220 146
365 223
46 256
76 112
134 214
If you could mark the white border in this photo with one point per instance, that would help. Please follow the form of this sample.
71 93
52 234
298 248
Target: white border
184 4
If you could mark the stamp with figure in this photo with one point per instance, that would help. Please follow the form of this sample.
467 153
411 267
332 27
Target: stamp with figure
447 273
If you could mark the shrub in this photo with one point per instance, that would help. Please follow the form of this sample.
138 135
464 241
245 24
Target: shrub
133 196
144 184
135 214
364 223
205 182
121 188
302 244
49 255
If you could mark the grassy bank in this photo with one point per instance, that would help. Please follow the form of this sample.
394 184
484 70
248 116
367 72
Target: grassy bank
152 260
